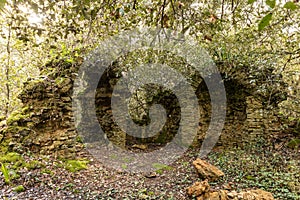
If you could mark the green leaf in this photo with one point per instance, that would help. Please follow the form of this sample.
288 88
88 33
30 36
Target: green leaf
271 3
251 1
2 4
35 7
290 5
264 22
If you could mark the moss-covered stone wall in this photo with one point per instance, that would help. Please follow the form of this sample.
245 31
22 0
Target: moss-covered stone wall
46 124
247 120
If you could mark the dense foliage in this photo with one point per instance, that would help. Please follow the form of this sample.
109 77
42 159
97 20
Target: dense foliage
256 42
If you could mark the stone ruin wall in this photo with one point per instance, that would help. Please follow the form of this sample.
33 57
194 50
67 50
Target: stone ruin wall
46 124
246 119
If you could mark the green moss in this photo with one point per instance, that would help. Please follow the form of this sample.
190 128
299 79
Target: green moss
34 164
79 139
33 85
161 167
16 161
114 156
16 116
4 146
47 171
76 165
128 160
18 164
185 164
294 143
33 82
15 129
124 166
48 71
59 80
19 188
25 109
11 157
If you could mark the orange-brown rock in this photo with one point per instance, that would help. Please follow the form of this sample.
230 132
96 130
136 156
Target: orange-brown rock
251 195
202 191
198 188
257 195
223 195
206 170
215 195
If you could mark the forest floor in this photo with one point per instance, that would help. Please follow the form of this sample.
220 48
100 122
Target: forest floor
45 177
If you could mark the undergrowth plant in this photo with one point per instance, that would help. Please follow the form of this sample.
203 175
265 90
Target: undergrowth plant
266 170
5 173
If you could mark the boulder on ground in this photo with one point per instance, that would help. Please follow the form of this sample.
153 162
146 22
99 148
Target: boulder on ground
202 191
214 195
198 188
251 195
206 170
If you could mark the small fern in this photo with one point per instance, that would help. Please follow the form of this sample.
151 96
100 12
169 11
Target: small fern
5 173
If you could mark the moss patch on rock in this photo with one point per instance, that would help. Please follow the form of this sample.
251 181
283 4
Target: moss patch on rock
4 146
18 116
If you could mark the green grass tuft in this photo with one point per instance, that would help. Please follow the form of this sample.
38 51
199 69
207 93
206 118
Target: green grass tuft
5 173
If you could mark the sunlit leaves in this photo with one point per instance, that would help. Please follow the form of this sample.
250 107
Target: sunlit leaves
251 1
34 6
290 5
271 3
265 21
2 3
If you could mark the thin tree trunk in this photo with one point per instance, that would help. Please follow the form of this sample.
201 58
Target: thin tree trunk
7 72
